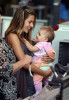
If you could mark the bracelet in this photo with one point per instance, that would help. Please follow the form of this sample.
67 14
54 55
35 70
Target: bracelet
30 71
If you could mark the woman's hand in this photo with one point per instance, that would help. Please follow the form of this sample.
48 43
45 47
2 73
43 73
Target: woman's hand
34 40
46 59
27 59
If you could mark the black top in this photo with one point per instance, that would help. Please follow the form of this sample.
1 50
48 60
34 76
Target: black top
25 86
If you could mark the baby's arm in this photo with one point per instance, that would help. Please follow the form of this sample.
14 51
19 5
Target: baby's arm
30 46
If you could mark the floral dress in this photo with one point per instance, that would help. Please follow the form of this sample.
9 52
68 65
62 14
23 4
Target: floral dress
7 80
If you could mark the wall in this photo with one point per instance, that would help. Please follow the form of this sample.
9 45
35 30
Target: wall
61 34
6 21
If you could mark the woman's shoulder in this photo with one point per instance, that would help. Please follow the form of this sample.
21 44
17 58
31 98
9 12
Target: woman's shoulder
12 35
12 38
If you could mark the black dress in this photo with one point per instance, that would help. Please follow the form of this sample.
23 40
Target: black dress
25 86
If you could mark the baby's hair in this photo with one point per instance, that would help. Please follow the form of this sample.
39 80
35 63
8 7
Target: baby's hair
49 32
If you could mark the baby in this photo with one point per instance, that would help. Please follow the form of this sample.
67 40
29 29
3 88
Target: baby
44 38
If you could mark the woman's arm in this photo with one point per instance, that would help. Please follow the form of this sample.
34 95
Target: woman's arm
14 42
37 70
26 60
41 72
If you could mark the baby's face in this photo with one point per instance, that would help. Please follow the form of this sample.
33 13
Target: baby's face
41 36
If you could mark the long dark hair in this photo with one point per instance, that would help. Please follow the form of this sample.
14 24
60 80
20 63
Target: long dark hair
17 23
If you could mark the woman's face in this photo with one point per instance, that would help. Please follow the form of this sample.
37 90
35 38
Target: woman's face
29 23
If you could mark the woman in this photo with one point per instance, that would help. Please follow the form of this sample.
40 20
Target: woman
21 26
8 67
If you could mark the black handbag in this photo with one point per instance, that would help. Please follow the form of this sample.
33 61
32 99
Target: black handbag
60 71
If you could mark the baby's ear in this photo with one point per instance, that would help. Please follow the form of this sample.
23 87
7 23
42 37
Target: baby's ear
46 39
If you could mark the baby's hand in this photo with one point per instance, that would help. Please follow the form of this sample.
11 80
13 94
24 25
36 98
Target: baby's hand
34 40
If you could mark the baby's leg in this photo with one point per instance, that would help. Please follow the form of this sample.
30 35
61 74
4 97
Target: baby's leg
38 86
37 82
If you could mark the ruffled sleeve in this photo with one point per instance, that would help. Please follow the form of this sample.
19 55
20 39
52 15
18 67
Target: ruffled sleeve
7 71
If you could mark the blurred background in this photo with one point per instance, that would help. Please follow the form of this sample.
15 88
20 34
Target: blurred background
55 11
